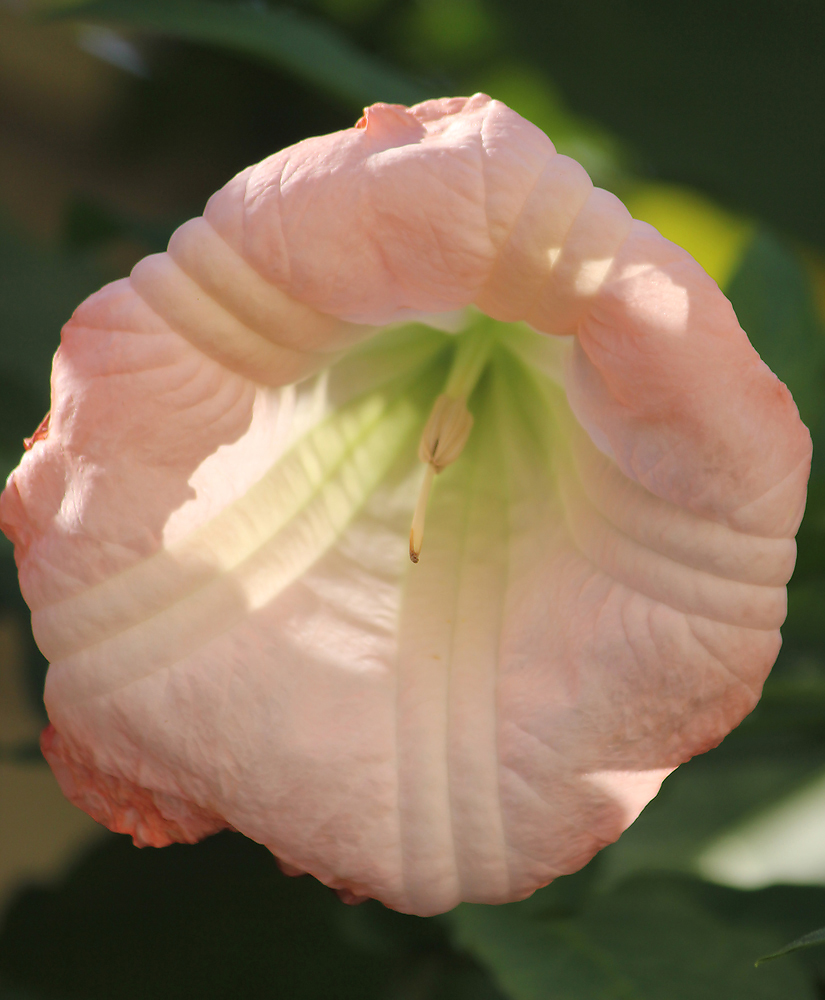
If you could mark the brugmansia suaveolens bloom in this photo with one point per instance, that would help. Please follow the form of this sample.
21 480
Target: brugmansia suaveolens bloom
428 335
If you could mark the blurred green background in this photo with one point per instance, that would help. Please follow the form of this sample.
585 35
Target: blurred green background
118 119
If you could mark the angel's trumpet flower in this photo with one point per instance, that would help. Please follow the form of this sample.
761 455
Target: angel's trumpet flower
214 533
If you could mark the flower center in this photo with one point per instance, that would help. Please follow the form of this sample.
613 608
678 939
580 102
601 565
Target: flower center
449 423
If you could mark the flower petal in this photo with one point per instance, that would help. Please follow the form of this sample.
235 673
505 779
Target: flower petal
217 569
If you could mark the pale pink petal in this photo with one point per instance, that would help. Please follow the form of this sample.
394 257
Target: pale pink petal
217 569
401 216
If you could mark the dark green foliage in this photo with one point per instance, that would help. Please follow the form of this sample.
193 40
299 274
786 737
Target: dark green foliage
90 224
727 97
39 290
219 920
651 938
306 47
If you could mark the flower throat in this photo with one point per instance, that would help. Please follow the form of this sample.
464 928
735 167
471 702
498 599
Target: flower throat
449 423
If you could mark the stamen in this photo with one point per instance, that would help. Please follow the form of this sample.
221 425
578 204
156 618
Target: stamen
445 433
417 529
449 424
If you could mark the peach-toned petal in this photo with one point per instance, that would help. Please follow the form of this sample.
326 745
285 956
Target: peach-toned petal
422 734
216 557
664 375
152 819
401 216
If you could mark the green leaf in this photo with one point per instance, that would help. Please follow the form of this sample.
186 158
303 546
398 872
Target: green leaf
793 702
715 237
306 47
786 910
652 938
800 944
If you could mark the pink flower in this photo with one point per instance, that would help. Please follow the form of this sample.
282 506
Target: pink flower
213 533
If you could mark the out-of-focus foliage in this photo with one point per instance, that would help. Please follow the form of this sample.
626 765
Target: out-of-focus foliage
220 920
656 937
282 36
118 118
729 97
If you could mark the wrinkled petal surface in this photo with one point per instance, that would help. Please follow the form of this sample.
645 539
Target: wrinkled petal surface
212 536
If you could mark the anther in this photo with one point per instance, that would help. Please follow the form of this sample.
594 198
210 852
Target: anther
442 441
448 425
445 432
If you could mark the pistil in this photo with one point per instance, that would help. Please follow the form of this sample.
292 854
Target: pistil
449 423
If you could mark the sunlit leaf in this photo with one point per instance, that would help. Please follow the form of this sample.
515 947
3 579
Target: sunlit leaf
708 796
715 237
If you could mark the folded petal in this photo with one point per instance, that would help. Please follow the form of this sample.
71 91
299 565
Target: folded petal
216 556
462 201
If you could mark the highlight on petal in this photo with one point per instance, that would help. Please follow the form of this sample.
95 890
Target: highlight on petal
213 532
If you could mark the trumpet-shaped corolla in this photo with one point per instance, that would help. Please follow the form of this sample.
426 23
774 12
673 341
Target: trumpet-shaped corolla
431 313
